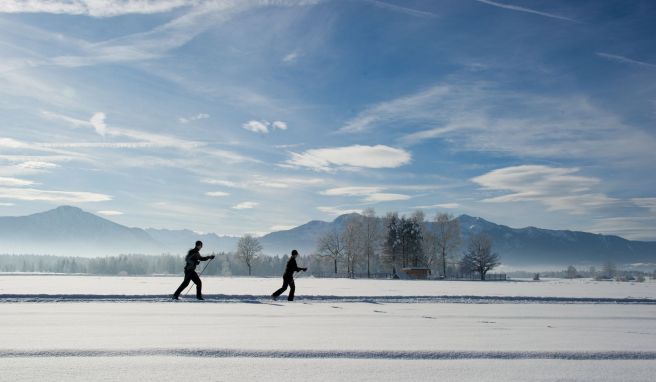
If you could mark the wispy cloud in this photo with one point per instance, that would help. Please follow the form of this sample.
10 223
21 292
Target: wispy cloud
629 227
109 213
142 139
400 9
281 227
264 126
352 191
626 60
415 107
291 57
557 188
648 203
259 183
14 182
217 194
356 156
280 125
98 122
370 194
245 205
37 165
527 10
337 210
193 118
220 182
31 194
476 117
386 197
440 205
158 41
94 8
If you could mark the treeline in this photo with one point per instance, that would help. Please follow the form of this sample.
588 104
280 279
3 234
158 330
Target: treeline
225 264
364 246
367 245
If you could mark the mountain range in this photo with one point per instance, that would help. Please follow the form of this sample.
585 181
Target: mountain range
71 231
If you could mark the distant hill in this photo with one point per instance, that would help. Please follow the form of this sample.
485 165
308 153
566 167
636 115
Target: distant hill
304 237
536 246
71 231
517 246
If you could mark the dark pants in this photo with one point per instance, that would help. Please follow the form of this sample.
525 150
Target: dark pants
286 281
190 276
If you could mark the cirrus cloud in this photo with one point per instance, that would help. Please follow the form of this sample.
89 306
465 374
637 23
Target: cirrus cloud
105 8
356 156
31 194
110 213
245 205
557 188
217 194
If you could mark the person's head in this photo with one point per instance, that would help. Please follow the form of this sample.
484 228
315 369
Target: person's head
294 253
199 244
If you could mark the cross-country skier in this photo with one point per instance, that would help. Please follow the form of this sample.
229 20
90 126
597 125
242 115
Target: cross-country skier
288 278
192 259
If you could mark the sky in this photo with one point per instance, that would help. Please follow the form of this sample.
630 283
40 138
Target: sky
241 117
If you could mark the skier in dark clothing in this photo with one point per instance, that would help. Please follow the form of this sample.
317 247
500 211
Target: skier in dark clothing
192 259
288 278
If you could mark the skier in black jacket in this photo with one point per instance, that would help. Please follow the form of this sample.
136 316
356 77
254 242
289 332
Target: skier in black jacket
192 259
288 278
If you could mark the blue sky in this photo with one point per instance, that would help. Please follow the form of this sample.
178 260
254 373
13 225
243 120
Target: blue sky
247 117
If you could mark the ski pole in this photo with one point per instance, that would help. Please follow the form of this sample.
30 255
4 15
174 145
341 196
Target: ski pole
200 274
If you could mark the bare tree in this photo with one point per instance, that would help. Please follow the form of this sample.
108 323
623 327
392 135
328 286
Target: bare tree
352 243
429 246
571 272
371 235
609 270
447 236
479 256
248 248
331 245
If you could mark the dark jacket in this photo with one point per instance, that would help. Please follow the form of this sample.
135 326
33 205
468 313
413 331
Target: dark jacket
291 268
193 258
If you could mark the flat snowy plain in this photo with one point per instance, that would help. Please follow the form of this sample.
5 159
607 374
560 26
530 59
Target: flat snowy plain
82 328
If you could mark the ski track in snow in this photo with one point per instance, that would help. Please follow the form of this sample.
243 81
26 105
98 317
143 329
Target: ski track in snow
336 354
265 299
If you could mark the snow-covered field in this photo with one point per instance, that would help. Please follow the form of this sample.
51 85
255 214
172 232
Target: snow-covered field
336 330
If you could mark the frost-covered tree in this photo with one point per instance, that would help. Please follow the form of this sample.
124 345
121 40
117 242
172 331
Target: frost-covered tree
479 256
447 236
331 245
370 236
352 243
571 272
248 248
609 270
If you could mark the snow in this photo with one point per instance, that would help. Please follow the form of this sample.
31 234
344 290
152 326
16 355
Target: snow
308 286
337 330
